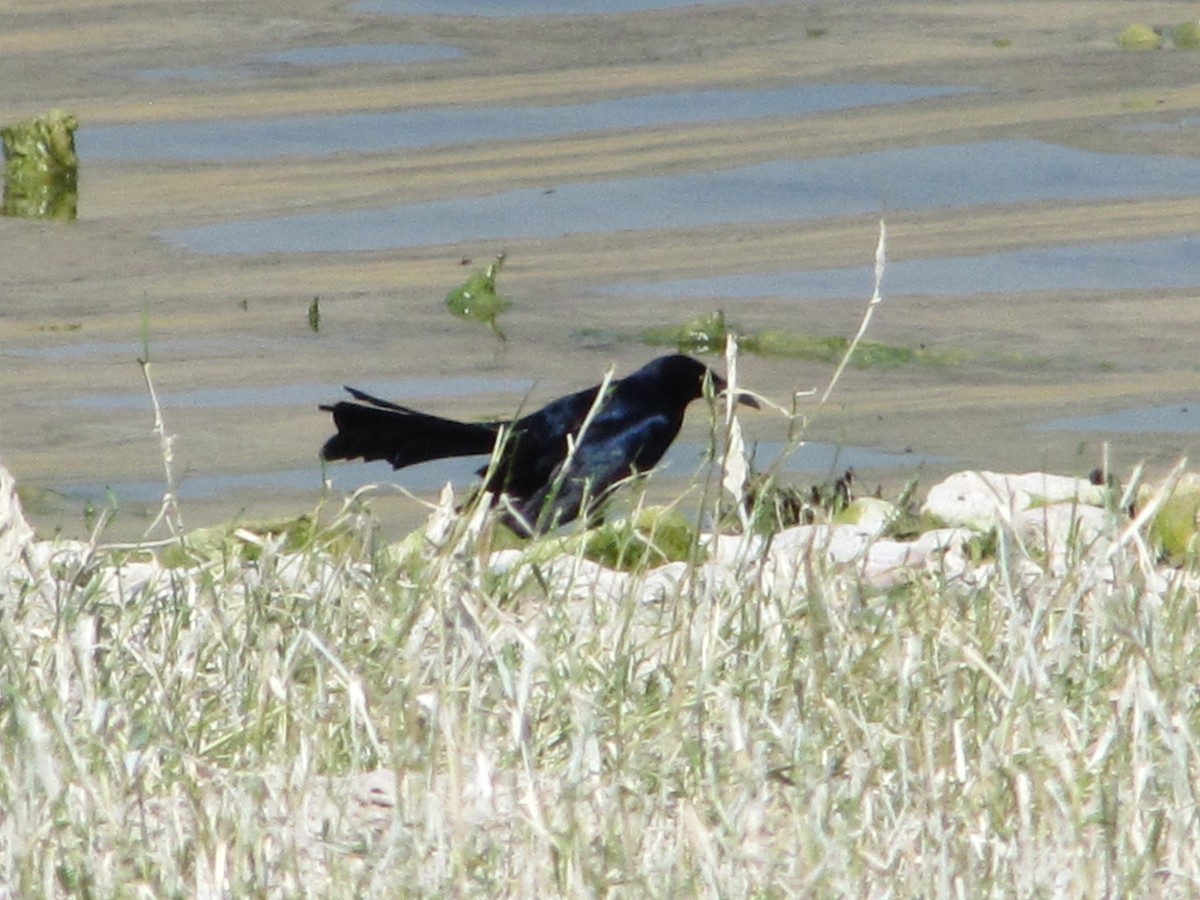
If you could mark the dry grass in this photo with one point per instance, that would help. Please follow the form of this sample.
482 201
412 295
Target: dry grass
327 721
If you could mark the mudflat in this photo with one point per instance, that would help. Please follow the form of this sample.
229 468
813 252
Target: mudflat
239 370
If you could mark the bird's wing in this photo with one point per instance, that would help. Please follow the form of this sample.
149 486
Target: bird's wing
612 449
559 418
537 445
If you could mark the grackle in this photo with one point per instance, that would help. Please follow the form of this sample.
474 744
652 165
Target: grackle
546 483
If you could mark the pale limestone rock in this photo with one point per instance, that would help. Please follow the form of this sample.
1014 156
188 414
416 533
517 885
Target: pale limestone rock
732 551
133 581
662 583
1064 531
581 579
794 551
888 562
980 500
15 534
500 562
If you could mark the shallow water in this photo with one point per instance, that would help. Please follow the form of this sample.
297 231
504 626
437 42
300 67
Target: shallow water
97 276
506 8
272 63
363 53
1185 123
1140 420
922 178
1126 265
404 390
372 132
685 458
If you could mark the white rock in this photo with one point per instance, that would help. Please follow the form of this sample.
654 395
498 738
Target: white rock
885 554
732 550
714 577
15 533
979 500
580 579
942 540
500 562
61 559
131 581
790 552
662 583
888 561
1063 531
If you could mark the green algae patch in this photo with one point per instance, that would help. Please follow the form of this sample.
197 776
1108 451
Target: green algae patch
654 536
708 333
704 334
41 170
1138 37
867 355
40 500
247 540
868 513
477 299
795 345
1186 36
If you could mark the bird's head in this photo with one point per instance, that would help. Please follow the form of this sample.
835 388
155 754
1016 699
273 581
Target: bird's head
686 377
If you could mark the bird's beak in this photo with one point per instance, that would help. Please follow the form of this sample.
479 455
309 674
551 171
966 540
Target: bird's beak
742 399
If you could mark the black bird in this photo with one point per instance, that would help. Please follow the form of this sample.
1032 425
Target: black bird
546 484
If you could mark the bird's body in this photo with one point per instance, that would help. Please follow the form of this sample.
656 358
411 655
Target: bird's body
546 482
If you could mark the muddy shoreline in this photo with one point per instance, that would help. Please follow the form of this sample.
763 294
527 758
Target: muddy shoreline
75 297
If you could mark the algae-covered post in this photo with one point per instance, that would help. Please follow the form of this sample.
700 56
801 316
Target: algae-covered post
41 171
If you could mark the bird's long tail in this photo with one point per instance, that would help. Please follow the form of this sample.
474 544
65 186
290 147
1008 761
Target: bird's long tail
378 429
